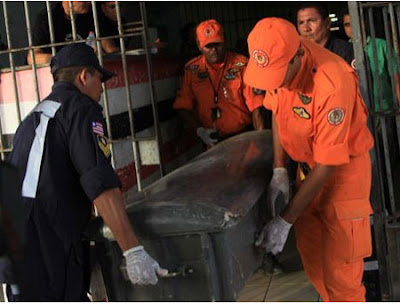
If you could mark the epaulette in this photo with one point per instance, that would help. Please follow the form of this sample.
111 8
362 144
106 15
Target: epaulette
193 64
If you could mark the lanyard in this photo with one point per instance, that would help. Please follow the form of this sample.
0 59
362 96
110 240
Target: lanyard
216 89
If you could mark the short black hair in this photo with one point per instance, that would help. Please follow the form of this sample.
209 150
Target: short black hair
319 6
69 74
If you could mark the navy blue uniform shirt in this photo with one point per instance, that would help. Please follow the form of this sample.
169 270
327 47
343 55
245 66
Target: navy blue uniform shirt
341 48
75 169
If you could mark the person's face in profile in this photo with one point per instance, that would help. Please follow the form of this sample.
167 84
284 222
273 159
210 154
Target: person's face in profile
109 10
347 26
214 52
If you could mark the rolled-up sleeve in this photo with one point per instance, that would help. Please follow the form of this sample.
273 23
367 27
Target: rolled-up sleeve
90 151
332 127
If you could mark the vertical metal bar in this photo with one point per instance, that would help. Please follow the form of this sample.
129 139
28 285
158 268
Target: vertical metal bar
51 27
390 54
376 79
28 29
12 65
135 145
382 119
377 193
105 92
151 86
72 15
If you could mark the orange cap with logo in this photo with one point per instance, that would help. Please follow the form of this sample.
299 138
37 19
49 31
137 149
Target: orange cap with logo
209 31
273 42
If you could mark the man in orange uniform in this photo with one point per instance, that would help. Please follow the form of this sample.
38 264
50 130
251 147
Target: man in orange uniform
320 121
213 98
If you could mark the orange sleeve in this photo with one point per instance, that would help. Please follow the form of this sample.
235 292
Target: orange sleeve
332 123
184 98
252 96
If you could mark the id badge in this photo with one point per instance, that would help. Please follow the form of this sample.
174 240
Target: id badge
215 113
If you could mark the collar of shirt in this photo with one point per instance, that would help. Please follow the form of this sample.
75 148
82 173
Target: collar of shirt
303 80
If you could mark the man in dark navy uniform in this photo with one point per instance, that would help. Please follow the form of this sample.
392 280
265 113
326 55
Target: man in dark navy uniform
313 23
63 152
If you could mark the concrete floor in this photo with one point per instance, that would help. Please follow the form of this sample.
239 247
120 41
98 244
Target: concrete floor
291 285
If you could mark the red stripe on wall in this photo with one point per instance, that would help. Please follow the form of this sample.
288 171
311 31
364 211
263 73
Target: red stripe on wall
170 151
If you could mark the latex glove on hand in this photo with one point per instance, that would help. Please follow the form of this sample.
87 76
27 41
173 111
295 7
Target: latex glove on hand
279 183
274 235
205 136
141 267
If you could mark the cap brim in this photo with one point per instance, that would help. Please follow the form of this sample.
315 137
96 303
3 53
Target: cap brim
264 78
106 75
216 40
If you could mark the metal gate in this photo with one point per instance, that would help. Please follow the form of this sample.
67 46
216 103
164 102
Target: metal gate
14 112
376 27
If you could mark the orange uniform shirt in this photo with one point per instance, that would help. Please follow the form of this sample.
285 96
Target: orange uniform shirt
235 99
322 117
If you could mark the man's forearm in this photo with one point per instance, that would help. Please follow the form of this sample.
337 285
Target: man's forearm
258 119
189 120
307 191
279 153
111 207
40 57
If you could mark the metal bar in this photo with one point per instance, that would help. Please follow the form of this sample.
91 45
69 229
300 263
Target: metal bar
135 145
28 29
367 4
51 27
152 91
72 16
377 193
390 51
65 43
105 92
12 66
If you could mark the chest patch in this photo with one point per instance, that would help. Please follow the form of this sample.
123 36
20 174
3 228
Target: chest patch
230 76
336 116
304 99
301 112
202 75
97 128
239 64
258 92
192 67
104 145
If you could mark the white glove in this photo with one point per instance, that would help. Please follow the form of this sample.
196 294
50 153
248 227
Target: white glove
274 235
204 135
279 183
142 269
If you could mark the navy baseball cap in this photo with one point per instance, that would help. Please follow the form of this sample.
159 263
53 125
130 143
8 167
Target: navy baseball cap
78 55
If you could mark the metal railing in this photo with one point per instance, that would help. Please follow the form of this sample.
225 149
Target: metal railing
140 30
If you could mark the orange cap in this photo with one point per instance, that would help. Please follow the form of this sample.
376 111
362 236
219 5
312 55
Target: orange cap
273 42
209 31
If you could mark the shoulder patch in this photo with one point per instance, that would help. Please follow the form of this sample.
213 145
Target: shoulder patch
192 67
304 99
336 116
239 64
258 92
301 112
97 128
104 145
202 75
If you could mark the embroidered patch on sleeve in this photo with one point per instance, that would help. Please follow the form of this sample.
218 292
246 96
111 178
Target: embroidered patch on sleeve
104 145
301 112
304 99
97 128
336 116
258 92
